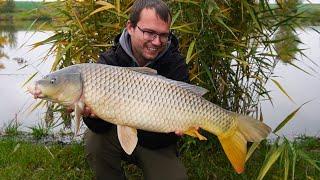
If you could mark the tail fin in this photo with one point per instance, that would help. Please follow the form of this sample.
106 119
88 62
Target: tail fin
252 129
235 143
235 147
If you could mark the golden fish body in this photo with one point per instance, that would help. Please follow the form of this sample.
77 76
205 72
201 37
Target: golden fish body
137 98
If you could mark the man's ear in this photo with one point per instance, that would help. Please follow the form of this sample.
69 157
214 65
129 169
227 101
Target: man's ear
129 27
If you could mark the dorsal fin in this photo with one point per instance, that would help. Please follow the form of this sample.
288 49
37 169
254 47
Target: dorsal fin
149 71
195 89
144 70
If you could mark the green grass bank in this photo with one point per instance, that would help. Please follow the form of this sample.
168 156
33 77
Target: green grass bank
26 160
28 11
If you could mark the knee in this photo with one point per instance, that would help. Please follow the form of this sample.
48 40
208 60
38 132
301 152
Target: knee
92 142
102 156
99 147
92 147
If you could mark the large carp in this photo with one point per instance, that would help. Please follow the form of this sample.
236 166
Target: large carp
137 98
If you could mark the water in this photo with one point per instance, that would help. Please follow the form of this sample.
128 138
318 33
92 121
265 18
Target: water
16 103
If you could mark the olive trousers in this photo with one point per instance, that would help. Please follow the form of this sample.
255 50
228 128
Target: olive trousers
104 154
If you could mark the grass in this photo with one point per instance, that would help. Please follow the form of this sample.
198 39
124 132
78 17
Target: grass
204 163
12 129
310 7
28 11
26 160
23 160
39 131
27 5
311 14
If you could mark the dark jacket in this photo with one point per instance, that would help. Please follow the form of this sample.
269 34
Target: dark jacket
171 65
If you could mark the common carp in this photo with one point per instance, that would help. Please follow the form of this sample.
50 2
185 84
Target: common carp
138 98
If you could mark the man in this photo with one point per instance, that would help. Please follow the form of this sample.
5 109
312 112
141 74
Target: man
146 41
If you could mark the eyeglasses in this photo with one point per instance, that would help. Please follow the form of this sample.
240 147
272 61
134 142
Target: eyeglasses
151 35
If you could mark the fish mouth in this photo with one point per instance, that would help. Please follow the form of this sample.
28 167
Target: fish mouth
35 91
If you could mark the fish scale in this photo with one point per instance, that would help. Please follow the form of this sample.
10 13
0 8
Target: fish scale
138 98
148 95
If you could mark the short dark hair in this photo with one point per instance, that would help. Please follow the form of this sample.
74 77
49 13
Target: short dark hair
161 8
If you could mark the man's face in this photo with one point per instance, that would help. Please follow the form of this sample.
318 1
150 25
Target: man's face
147 50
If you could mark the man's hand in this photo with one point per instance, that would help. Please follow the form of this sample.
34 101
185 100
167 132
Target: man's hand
86 111
179 133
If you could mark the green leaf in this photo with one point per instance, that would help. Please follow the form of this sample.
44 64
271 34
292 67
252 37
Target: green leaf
79 22
308 159
103 8
253 147
288 118
47 41
271 159
209 74
299 68
118 6
103 3
49 152
227 27
190 50
29 79
252 14
174 18
294 160
31 25
211 6
286 163
59 56
37 105
188 1
16 148
182 26
281 89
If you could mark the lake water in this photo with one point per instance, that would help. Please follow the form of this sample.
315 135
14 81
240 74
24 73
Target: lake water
16 103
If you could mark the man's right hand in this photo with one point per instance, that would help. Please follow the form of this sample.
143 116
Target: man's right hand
87 112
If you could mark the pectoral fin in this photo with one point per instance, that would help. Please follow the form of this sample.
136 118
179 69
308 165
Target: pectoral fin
194 133
128 138
78 108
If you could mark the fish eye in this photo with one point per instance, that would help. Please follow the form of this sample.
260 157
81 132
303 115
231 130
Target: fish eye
52 80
